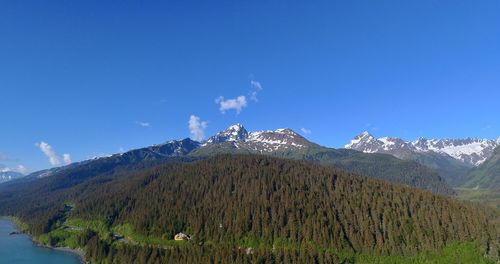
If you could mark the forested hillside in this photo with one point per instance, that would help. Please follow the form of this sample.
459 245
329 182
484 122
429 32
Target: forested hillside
486 175
244 208
381 166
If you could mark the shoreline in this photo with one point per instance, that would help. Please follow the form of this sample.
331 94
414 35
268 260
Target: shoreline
77 252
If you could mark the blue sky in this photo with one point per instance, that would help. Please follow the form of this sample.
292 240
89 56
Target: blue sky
97 77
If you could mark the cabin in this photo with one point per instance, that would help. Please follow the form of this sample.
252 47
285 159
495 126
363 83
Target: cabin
181 236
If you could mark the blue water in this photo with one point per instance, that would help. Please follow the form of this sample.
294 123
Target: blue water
19 249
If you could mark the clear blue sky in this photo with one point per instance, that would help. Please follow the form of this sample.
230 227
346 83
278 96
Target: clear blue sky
83 75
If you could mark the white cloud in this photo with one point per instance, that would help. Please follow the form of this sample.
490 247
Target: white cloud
237 104
143 124
3 156
197 128
21 169
256 87
305 130
49 152
67 158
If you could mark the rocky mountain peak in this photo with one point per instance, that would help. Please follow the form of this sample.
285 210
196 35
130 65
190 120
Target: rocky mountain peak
470 151
235 132
364 141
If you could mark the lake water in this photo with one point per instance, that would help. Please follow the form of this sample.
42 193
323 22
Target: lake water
19 249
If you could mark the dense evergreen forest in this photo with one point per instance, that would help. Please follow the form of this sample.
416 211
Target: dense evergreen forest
244 209
377 165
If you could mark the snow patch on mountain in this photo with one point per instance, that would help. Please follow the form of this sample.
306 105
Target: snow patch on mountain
259 141
233 133
469 150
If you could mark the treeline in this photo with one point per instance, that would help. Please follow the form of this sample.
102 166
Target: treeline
281 209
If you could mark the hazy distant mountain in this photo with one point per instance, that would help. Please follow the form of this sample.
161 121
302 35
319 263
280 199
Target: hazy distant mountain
452 158
469 151
152 154
8 175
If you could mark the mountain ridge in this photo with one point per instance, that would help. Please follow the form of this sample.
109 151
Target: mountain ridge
282 143
452 158
486 175
470 151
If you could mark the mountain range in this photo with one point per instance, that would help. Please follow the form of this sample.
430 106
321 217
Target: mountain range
430 164
454 159
283 143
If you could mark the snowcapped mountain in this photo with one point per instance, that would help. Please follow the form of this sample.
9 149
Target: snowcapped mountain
233 133
236 136
283 143
8 175
486 175
469 151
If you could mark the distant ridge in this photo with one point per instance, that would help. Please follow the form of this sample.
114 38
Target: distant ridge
452 158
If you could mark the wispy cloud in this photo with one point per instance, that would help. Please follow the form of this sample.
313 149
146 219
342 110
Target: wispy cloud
19 168
3 156
256 88
197 127
67 158
306 131
487 127
143 124
49 152
236 104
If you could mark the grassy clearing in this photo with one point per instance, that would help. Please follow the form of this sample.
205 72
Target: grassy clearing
97 226
127 231
59 237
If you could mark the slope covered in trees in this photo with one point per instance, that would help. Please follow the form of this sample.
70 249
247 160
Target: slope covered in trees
381 166
282 209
